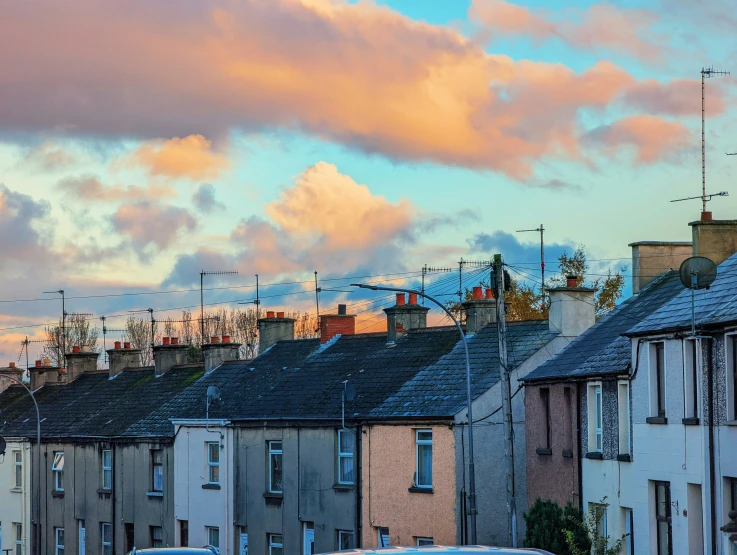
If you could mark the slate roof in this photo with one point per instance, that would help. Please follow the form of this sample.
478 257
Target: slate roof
714 306
422 375
603 349
95 405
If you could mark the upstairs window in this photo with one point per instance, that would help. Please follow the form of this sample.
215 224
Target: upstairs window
18 461
623 406
346 447
691 379
157 470
732 377
58 469
657 383
595 418
423 440
275 467
213 462
106 469
547 429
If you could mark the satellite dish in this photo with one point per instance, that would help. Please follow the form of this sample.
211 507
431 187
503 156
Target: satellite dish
2 446
697 272
213 394
350 391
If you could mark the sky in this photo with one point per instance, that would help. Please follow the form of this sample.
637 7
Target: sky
143 142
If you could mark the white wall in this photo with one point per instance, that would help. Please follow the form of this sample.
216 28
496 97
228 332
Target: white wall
203 507
15 504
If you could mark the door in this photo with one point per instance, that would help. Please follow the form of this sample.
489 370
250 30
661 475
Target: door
695 520
82 538
308 538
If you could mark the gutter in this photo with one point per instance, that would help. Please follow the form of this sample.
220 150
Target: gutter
579 446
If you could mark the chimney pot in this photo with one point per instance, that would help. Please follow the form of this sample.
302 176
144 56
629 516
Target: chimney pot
62 370
342 309
706 217
38 364
400 299
412 298
214 339
174 340
75 349
489 293
165 341
269 313
12 365
226 339
571 281
127 345
478 293
280 315
117 344
47 362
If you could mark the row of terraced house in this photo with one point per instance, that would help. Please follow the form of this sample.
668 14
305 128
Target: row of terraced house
269 456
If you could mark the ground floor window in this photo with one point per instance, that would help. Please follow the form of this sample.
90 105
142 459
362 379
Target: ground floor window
383 536
345 540
184 533
276 544
664 531
59 536
157 536
425 541
213 536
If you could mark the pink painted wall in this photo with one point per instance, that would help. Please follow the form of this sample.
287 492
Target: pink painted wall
388 471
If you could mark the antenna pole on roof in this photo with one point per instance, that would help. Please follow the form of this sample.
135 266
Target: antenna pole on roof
541 231
317 301
501 327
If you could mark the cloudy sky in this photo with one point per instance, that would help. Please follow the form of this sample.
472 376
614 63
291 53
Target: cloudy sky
143 141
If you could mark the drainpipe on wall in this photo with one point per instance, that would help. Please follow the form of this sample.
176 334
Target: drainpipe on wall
359 488
712 482
580 446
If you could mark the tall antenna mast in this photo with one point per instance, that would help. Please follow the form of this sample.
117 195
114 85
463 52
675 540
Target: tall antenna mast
541 231
317 300
204 273
706 73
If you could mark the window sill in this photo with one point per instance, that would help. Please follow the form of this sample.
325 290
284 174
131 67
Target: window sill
624 457
595 455
58 494
210 486
541 451
568 454
105 491
273 499
344 487
690 421
155 494
656 420
273 495
731 422
415 489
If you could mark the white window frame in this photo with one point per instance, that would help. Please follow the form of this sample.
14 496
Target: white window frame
276 541
623 410
18 538
58 469
273 451
691 386
731 398
59 549
106 470
345 455
153 539
422 443
424 540
18 469
654 379
308 537
213 532
213 466
106 539
154 453
342 539
595 390
629 541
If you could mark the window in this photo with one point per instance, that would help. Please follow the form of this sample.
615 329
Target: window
18 460
213 463
308 538
157 470
663 518
346 447
425 541
657 380
183 533
18 538
691 379
59 537
242 541
568 424
623 405
599 514
276 544
545 398
213 536
732 379
629 526
595 418
275 467
345 540
130 536
423 439
732 494
106 461
106 537
156 534
383 534
58 469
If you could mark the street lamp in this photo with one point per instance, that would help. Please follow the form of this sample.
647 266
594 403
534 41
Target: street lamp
38 443
471 470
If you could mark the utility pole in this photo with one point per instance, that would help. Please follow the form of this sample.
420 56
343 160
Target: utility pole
506 398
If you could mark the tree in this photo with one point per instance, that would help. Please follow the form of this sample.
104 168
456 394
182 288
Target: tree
77 332
599 543
548 526
138 332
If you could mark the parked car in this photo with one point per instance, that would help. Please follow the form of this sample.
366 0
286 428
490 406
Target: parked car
444 550
207 550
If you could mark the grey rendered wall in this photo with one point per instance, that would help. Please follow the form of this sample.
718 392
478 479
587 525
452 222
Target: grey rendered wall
310 495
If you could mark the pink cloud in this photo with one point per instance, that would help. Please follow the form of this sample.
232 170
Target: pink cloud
149 224
357 74
89 188
679 97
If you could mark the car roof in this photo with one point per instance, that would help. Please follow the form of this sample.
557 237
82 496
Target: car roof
443 549
174 551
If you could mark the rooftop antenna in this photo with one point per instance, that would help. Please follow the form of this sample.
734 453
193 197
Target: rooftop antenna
317 301
105 330
24 347
204 273
541 231
697 272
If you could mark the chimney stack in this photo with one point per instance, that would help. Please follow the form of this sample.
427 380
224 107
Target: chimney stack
80 361
480 310
169 354
403 317
571 309
43 373
10 370
121 358
652 258
341 323
714 239
273 328
217 352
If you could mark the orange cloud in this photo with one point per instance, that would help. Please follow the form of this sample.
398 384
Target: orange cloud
190 156
149 224
599 26
652 138
355 73
90 189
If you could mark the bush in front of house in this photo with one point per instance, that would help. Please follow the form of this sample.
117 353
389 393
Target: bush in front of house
548 527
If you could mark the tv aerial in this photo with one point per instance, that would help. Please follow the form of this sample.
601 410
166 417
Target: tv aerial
697 272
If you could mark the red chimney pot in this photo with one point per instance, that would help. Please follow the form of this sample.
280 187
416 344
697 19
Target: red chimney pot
478 293
706 216
280 315
165 341
226 339
214 339
269 313
127 345
412 298
38 364
12 365
489 293
117 344
571 281
175 341
400 299
75 349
